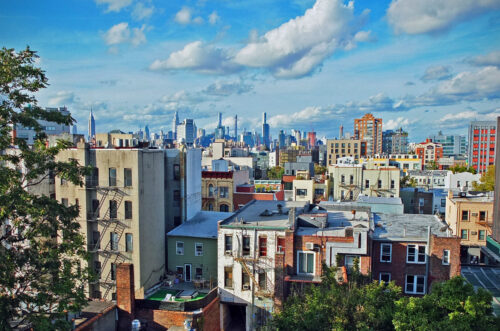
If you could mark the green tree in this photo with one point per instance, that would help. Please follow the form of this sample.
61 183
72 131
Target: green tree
319 169
487 181
41 277
275 172
451 305
407 181
462 168
432 165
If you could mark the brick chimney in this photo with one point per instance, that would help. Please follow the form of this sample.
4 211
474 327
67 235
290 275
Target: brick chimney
125 295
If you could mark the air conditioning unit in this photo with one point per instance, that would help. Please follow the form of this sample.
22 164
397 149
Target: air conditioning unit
246 287
474 214
310 246
229 252
281 249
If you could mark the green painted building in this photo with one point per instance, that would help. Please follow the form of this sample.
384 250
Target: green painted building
192 247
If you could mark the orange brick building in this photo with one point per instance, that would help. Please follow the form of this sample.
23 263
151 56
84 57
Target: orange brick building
429 151
369 129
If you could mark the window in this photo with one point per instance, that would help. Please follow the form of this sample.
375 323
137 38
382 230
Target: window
443 202
113 240
245 281
305 263
416 254
113 271
177 196
113 209
464 234
210 207
481 235
177 171
64 201
342 179
384 277
96 236
351 179
210 190
112 176
198 249
385 252
127 177
367 183
129 244
465 215
262 246
415 284
482 215
95 208
198 273
392 183
349 261
224 208
379 183
228 243
97 268
446 256
223 191
301 192
246 245
179 248
228 277
281 245
128 210
262 280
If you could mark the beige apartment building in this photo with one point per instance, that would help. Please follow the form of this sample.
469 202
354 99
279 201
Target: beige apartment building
337 148
348 181
312 190
470 217
122 213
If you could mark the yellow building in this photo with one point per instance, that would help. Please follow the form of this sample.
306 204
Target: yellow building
337 148
218 187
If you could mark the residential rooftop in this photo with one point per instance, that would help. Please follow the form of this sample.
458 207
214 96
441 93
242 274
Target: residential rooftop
331 222
408 227
472 196
382 200
201 225
435 173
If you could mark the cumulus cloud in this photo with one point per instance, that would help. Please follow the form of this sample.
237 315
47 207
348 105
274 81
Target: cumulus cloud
142 12
462 119
300 45
490 59
121 33
62 98
436 73
397 123
432 16
221 88
184 16
213 18
199 57
114 5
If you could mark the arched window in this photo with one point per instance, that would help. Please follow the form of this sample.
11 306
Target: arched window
210 190
224 207
210 207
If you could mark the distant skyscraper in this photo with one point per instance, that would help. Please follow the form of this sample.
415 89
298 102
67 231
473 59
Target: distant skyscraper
220 131
281 139
219 116
395 142
236 127
265 131
91 126
186 131
453 145
341 132
175 123
146 131
482 144
369 129
311 138
74 130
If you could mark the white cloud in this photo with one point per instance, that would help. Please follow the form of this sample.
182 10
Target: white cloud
198 20
114 5
185 16
462 116
121 33
462 119
436 73
221 88
141 12
431 16
364 36
213 18
490 59
62 98
397 123
198 57
300 45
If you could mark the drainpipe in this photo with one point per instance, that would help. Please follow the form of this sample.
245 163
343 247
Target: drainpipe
253 275
427 259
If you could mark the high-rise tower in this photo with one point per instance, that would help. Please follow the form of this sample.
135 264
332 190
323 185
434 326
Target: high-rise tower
91 126
265 131
175 123
369 128
236 127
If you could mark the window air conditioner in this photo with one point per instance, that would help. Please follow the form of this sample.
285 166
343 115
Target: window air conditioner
246 287
280 249
229 252
310 246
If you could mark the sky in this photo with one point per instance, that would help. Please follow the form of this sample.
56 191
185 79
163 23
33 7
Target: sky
311 65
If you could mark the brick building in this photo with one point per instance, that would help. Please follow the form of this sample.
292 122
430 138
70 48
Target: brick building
429 151
414 251
482 144
218 187
369 128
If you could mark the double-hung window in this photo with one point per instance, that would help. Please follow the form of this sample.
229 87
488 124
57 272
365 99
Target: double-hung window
179 248
446 256
416 254
198 249
386 253
415 284
305 263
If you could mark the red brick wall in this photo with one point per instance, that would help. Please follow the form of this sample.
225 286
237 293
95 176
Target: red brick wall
211 316
125 297
438 271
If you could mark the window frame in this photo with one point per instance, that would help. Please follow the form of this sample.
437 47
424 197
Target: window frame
177 251
314 262
196 245
110 181
415 277
417 253
446 257
226 268
129 247
462 234
127 180
384 273
382 252
479 235
128 211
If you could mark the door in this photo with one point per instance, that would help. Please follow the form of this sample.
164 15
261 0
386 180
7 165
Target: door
187 272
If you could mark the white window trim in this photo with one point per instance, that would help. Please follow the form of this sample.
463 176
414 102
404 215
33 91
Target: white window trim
384 273
195 251
443 260
382 250
415 284
314 263
416 254
176 247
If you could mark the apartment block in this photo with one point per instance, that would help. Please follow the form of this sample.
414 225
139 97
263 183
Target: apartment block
429 179
313 190
369 128
395 141
339 148
122 214
453 145
429 151
218 188
482 144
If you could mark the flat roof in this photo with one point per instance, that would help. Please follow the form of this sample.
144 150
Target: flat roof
408 227
335 222
201 225
262 213
382 200
427 172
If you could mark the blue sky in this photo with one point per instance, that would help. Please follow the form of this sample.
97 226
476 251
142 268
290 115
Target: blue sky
425 65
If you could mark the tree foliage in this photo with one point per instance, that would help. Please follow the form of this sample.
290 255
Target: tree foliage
320 170
462 168
432 165
487 181
41 277
275 172
407 181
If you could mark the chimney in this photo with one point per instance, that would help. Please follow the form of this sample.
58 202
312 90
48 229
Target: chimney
353 214
125 295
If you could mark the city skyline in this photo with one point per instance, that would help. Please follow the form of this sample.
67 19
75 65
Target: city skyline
310 65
